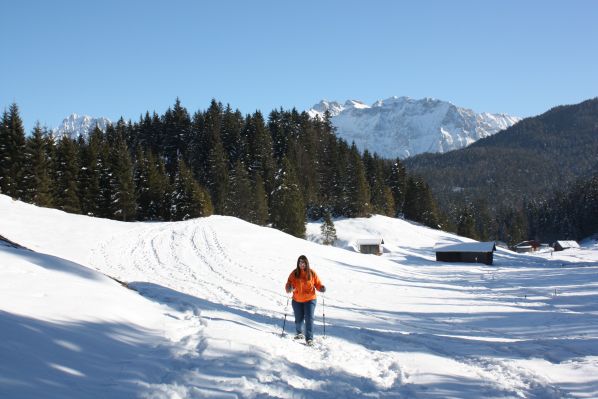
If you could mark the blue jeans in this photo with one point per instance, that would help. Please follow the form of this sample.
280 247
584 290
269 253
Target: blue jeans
304 311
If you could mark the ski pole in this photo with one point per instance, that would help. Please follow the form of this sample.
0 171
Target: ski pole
324 312
285 315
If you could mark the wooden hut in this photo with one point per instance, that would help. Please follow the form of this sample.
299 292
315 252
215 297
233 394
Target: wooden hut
527 246
469 252
370 246
562 245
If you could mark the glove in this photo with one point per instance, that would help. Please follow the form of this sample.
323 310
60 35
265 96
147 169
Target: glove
289 288
323 288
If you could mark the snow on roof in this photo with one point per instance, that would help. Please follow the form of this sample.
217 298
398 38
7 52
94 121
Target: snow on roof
370 241
568 244
528 243
467 247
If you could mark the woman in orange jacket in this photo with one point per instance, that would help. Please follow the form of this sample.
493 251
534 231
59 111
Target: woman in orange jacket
304 282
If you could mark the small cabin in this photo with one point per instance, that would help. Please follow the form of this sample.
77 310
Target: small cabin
562 245
370 246
468 252
521 249
527 246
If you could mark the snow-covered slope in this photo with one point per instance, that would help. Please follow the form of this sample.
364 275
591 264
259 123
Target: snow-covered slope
403 127
210 309
75 125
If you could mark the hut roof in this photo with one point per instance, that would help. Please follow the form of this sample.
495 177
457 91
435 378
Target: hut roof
370 241
568 244
528 243
467 247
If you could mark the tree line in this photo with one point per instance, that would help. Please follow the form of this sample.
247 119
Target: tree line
570 213
278 171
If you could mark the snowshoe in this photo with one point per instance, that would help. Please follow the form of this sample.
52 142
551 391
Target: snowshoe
299 336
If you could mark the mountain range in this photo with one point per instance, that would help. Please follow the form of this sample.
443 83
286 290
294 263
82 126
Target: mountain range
403 127
75 125
396 127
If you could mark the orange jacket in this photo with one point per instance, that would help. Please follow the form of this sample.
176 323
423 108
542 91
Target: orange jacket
304 289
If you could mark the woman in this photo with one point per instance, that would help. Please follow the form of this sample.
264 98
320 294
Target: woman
304 282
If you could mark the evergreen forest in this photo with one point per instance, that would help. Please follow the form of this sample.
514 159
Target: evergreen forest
535 180
280 171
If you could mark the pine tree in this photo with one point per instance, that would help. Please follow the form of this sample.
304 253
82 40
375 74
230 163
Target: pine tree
176 134
90 174
419 204
232 125
387 206
396 182
5 154
328 230
411 207
287 209
217 176
190 200
331 171
466 223
122 187
207 155
162 188
199 147
589 208
65 193
239 201
104 202
358 191
36 179
152 187
12 149
302 151
381 195
142 189
259 157
483 221
259 213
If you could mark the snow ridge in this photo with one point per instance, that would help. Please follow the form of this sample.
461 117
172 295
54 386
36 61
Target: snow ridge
403 127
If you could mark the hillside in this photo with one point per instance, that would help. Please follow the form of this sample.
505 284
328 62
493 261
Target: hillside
208 319
528 160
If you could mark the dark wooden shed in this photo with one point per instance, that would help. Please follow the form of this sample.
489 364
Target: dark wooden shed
469 252
562 245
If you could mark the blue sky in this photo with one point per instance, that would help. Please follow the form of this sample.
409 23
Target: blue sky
122 58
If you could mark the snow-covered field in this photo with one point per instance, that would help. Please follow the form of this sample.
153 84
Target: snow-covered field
204 313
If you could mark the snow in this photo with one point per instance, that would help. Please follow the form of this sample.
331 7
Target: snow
75 125
403 127
202 311
568 244
466 247
369 241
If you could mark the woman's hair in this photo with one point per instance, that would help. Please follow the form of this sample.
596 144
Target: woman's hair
307 269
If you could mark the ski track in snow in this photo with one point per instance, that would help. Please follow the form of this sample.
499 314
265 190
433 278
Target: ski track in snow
160 250
160 255
190 259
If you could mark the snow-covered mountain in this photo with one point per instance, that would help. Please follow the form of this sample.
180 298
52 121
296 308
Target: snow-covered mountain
76 125
403 127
